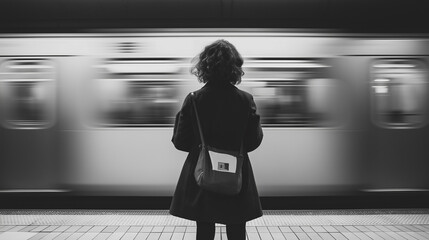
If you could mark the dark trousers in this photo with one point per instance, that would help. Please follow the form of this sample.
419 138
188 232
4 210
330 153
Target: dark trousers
206 231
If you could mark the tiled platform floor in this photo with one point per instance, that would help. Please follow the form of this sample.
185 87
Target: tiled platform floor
159 225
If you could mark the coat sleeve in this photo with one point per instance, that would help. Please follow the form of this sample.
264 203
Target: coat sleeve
183 134
254 135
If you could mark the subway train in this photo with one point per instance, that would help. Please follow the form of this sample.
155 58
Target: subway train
94 112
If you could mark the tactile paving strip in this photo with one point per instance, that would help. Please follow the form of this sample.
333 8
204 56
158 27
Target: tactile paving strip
162 217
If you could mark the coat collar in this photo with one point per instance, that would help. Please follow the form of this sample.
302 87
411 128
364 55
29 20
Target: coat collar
213 84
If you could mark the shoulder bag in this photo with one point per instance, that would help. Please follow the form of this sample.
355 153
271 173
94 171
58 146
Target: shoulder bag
218 170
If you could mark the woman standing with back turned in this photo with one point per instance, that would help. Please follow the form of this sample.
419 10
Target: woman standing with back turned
228 118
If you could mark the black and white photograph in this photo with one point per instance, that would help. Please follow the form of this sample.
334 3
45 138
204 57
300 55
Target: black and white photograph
214 120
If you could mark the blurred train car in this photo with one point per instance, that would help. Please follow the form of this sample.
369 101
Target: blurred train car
341 113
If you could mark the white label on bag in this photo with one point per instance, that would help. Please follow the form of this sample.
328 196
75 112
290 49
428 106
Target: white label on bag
223 162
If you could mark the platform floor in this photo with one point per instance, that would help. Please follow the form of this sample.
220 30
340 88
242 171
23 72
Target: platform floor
159 225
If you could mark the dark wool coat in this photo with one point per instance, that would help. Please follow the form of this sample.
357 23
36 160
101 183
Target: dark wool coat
227 116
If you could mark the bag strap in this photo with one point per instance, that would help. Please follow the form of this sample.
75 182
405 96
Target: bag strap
198 120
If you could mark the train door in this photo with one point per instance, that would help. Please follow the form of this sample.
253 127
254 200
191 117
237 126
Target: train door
27 124
307 147
399 132
122 146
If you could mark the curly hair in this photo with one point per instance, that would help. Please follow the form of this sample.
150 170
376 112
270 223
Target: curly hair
218 62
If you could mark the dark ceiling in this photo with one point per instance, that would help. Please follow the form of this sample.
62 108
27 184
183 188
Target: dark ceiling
402 16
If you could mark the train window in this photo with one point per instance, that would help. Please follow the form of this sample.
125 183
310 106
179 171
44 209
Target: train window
399 90
292 93
138 92
27 93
